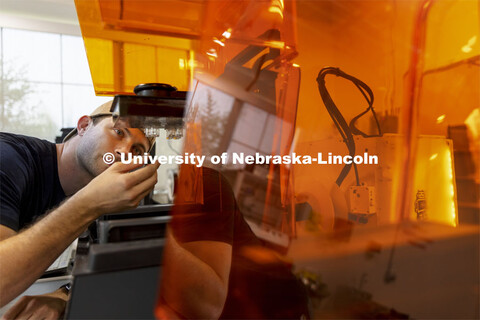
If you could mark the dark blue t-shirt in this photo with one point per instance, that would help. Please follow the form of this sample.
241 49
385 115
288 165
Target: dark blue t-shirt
29 182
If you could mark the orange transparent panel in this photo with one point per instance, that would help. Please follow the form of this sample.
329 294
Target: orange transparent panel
139 49
103 51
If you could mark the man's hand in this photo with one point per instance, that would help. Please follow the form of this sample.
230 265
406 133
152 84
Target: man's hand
119 188
47 306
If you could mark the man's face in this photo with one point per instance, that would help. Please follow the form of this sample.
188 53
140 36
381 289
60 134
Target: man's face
103 137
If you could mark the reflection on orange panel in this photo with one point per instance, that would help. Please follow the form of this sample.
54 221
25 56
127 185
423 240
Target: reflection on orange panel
245 99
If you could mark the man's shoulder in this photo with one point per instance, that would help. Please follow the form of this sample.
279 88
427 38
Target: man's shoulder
28 179
19 152
19 139
19 145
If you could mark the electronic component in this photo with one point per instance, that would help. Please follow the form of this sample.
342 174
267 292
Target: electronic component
362 200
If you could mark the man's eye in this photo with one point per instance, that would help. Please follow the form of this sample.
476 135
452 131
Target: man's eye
118 131
136 151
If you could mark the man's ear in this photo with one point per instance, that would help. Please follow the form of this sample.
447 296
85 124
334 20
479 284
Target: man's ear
83 124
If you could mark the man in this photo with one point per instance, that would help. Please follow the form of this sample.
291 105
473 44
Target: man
37 175
36 226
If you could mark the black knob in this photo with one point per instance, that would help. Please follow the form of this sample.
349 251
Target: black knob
154 90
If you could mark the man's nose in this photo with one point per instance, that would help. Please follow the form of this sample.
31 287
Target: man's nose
123 148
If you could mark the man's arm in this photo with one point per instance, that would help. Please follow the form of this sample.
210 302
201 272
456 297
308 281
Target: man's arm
26 255
195 278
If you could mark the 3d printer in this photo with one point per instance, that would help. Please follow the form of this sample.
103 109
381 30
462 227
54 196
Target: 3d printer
372 222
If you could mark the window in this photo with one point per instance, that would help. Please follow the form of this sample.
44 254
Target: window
45 83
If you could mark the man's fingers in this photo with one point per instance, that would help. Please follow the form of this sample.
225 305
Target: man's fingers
146 185
145 173
143 195
122 167
141 190
14 311
37 307
24 314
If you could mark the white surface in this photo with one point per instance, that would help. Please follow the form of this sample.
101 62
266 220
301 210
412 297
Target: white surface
64 259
